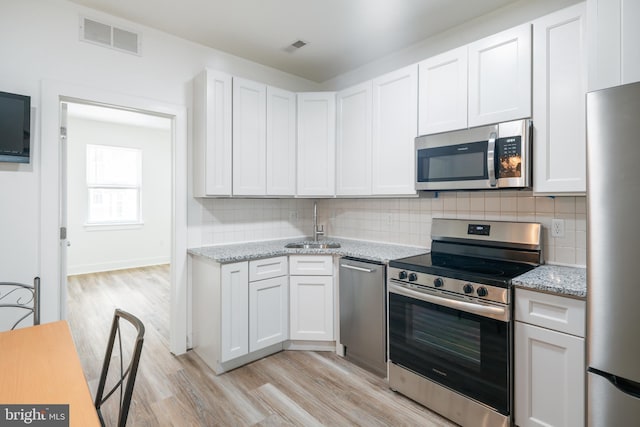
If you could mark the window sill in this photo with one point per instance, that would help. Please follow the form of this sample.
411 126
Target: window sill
111 226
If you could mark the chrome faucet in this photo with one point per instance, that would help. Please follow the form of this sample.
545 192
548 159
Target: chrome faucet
317 230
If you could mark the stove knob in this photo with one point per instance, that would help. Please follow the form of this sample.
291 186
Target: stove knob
438 282
482 291
413 277
468 288
402 275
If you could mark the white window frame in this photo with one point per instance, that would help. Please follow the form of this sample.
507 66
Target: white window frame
111 224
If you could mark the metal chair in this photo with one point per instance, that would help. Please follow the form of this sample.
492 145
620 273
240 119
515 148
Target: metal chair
21 297
127 377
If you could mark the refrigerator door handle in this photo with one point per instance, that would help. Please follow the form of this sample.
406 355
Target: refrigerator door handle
631 388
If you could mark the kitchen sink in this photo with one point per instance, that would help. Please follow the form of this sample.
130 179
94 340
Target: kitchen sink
312 245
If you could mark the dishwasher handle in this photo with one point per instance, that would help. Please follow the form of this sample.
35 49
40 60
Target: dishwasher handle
353 267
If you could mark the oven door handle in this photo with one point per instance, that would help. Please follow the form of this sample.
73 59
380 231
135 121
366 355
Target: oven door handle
493 312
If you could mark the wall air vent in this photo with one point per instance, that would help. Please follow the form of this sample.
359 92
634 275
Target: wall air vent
107 35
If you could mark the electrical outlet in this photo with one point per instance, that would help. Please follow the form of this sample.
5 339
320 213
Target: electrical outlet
389 218
557 227
293 216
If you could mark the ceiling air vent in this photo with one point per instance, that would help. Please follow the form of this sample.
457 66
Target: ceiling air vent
295 46
107 35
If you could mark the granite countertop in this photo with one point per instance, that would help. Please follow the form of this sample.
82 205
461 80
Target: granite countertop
564 281
380 252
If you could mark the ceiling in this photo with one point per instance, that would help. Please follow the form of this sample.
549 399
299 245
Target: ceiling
341 35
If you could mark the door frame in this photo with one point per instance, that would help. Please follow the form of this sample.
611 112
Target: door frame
50 251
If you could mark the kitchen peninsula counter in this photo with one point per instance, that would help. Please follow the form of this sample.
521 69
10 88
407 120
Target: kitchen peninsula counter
372 251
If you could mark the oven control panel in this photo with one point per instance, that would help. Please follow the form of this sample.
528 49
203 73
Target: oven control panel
462 287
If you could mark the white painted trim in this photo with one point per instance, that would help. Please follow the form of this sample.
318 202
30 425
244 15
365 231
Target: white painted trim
50 269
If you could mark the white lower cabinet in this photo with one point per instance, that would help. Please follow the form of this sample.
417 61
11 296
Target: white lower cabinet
311 297
549 360
234 311
236 321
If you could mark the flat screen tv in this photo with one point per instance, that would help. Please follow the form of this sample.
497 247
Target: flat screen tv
15 128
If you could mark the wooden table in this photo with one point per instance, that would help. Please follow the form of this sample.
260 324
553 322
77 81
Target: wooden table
40 365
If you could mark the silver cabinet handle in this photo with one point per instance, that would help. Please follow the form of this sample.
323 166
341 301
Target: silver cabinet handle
491 155
353 267
498 313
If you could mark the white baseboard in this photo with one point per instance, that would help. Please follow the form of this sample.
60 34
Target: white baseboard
116 265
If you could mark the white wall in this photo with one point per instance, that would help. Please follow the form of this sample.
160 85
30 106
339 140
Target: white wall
501 19
116 247
39 41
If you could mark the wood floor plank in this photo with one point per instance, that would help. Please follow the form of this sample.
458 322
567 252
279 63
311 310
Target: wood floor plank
290 388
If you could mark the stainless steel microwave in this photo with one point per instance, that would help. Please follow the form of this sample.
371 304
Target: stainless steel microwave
482 158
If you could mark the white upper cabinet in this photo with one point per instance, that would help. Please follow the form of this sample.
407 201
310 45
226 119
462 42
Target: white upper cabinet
316 143
442 97
281 142
614 57
560 79
212 143
249 137
500 77
395 127
353 141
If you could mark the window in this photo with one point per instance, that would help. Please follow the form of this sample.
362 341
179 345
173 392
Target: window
113 183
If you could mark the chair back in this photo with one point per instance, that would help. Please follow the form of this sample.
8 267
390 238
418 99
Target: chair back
21 298
126 377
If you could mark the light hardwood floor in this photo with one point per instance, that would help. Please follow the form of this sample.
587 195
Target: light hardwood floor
298 388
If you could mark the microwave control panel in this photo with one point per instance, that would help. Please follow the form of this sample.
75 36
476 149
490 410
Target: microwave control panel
509 157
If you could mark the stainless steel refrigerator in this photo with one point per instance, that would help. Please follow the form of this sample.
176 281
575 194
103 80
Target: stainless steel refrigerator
613 256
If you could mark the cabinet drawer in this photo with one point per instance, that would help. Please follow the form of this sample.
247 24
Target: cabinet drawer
551 311
311 265
267 268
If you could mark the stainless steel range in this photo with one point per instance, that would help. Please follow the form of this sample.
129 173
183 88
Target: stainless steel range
450 318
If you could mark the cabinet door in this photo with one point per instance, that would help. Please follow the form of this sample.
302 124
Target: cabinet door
268 312
353 142
249 137
500 77
212 143
442 96
234 311
281 142
316 143
549 378
311 308
560 79
395 127
614 57
630 37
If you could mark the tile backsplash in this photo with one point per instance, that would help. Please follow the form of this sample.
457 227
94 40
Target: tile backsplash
404 221
408 221
245 220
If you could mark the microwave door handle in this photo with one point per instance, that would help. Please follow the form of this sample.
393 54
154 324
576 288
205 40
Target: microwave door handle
491 163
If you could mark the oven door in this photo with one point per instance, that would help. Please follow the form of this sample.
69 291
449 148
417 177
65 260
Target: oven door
460 166
458 343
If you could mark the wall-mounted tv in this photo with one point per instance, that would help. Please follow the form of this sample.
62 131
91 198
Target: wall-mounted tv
15 128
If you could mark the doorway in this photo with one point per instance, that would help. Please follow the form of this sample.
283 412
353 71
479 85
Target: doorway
118 207
53 243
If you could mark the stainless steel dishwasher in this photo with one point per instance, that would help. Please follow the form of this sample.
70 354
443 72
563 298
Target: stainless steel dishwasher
363 317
